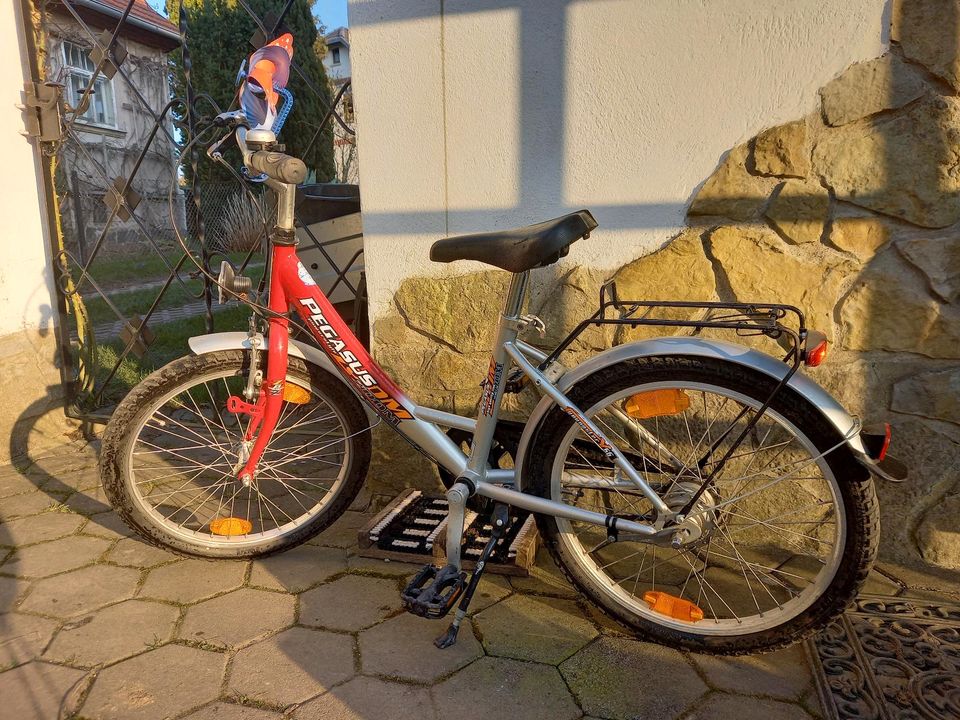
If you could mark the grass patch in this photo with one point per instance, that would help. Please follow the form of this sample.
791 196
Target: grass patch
114 272
137 302
170 343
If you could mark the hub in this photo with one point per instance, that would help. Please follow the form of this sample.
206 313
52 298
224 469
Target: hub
698 526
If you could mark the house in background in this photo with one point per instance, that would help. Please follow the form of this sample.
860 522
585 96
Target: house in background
115 127
336 62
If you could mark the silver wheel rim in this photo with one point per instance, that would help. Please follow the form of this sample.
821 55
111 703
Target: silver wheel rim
740 623
277 504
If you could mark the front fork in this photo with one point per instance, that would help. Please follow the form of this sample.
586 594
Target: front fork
265 413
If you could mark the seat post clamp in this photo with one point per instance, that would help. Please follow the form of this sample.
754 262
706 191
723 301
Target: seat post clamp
523 322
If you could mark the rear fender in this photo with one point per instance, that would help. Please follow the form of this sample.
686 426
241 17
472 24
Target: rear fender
846 425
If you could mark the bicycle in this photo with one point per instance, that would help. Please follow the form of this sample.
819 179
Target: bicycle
706 495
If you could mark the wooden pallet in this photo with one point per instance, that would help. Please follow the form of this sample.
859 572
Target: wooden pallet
400 533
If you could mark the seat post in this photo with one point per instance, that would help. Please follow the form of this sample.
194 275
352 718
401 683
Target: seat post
513 303
466 485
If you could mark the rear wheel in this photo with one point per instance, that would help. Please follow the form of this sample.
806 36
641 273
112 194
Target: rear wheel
171 452
787 530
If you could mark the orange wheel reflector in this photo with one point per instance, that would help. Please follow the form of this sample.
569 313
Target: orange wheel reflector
230 526
295 394
672 606
655 403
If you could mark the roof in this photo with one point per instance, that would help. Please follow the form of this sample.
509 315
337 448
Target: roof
144 12
340 36
142 18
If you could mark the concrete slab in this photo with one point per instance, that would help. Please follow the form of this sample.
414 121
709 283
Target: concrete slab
624 679
189 581
162 683
364 698
402 648
107 525
23 638
782 674
238 618
545 579
539 629
515 689
376 566
81 591
343 533
134 552
27 504
11 591
232 711
299 568
722 706
114 633
350 603
291 667
37 690
55 556
49 526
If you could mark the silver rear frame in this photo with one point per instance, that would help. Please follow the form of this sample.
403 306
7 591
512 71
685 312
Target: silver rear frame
472 472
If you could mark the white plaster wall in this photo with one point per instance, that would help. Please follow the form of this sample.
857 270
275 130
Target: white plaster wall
26 283
494 113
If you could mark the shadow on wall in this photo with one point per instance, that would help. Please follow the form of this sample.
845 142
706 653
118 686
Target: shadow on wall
851 213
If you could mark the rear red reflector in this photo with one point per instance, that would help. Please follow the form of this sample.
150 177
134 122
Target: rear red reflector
876 440
886 442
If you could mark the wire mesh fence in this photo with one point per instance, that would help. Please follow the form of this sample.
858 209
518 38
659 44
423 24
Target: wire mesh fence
116 109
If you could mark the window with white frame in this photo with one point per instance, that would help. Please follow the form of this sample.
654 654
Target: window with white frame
102 109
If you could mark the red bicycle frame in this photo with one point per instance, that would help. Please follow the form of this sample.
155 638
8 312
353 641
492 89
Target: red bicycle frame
292 286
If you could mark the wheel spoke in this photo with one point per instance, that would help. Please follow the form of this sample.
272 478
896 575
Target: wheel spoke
770 518
186 447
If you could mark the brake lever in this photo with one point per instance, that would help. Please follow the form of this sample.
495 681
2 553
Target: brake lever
213 152
233 120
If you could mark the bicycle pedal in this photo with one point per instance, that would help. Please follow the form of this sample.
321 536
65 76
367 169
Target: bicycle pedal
433 591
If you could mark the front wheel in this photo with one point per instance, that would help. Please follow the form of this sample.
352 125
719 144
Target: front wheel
788 528
171 452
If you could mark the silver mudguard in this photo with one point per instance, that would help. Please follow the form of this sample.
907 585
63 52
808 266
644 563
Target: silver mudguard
836 415
202 344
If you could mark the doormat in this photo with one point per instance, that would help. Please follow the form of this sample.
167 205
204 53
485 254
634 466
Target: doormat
413 528
890 658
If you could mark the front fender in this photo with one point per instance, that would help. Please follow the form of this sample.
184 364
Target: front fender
833 411
202 344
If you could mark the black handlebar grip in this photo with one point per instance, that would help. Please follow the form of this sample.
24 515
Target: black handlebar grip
280 167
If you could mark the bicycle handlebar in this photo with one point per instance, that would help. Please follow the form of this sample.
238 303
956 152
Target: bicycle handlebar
280 167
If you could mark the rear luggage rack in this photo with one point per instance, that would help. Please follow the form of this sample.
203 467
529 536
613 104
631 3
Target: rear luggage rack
746 319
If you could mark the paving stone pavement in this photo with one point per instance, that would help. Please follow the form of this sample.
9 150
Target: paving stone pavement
95 625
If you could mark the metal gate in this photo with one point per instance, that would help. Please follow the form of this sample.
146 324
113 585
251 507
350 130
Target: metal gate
115 105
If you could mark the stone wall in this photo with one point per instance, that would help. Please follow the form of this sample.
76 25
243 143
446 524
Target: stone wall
851 213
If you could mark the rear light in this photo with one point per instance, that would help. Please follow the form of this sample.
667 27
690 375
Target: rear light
815 349
876 439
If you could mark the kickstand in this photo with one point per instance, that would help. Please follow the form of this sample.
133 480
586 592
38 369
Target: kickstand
500 520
